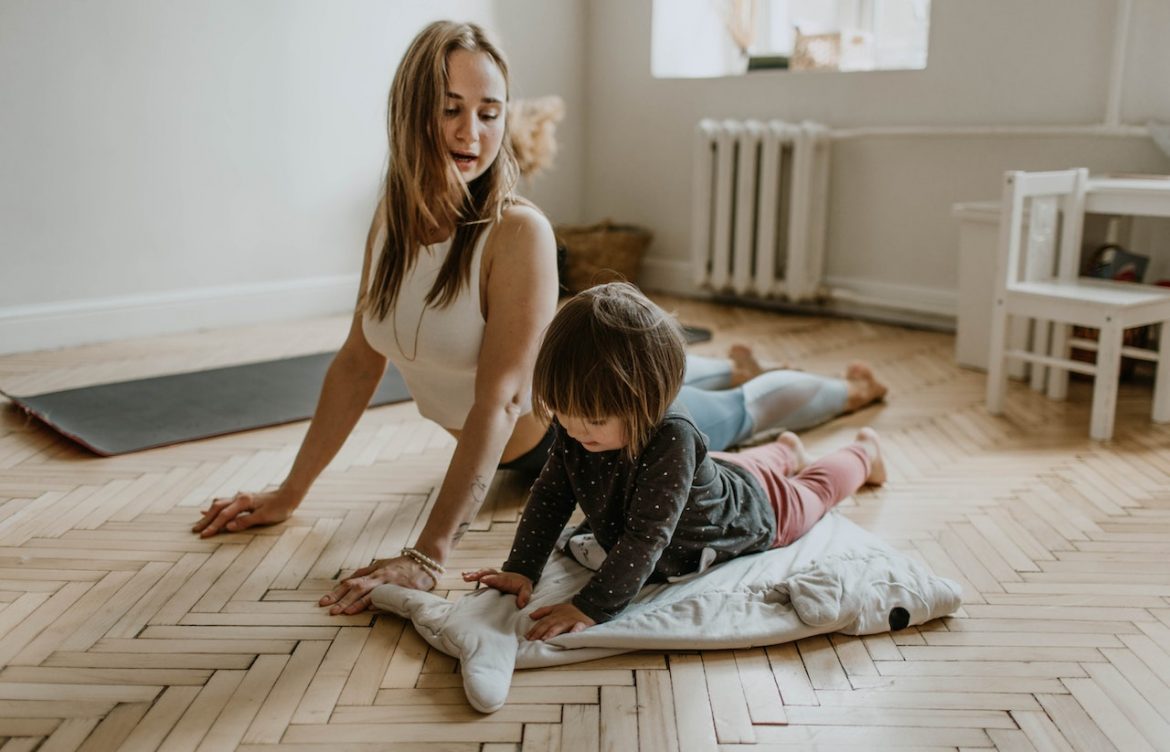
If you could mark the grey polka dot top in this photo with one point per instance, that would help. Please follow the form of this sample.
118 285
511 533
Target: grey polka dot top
653 515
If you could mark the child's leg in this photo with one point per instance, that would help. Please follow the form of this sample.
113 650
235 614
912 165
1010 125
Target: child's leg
817 489
784 457
800 501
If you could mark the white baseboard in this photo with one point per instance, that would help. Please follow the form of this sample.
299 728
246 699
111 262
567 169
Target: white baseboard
79 322
917 299
68 323
914 305
668 275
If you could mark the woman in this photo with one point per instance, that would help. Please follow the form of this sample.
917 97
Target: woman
459 280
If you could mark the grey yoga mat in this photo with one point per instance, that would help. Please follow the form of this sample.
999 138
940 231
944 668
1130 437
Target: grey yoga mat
129 416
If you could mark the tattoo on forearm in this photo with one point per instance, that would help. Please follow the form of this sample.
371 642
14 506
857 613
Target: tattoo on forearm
479 491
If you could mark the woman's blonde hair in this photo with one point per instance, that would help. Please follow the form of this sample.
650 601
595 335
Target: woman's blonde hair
424 190
608 352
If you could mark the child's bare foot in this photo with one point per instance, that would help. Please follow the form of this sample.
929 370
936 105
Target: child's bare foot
796 449
745 366
864 387
868 440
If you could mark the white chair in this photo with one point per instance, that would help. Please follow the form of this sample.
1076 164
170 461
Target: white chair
1040 282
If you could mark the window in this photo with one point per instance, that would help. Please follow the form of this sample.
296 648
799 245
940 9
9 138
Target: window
706 38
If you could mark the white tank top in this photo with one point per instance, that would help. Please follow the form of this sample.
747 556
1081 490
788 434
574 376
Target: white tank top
435 349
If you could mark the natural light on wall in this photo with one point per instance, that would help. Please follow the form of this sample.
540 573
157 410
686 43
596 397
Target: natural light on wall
708 38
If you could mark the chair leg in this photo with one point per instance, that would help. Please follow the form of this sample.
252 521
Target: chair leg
1040 347
1105 381
1058 377
996 365
1018 336
1162 380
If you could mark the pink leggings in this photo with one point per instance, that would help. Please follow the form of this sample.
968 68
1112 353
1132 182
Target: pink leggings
804 498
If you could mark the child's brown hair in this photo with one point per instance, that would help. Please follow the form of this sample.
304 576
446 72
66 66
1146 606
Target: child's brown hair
610 351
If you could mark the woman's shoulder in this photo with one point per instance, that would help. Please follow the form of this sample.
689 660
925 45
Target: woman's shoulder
522 235
523 216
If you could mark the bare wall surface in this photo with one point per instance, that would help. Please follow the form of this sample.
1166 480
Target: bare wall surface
890 211
991 63
170 166
545 43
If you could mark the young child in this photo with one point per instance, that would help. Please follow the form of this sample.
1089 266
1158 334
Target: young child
608 370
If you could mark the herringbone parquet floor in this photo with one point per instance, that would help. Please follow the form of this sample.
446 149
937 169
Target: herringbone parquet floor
121 630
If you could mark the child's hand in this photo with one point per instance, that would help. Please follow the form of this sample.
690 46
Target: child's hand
505 582
558 619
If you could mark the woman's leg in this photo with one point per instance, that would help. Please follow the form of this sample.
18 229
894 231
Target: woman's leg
739 366
707 373
803 499
792 400
719 415
864 387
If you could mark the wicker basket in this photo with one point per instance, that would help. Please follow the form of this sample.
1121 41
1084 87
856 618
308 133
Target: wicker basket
604 252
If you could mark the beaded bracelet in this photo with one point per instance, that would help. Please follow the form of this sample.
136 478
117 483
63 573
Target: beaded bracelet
433 568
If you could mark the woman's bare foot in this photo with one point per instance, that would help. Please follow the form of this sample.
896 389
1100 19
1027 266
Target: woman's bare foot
864 387
796 449
745 366
868 440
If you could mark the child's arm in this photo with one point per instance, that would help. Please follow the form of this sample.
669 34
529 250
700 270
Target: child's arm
558 619
666 470
506 582
550 504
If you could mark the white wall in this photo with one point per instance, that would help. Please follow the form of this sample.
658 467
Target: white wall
992 62
546 45
174 166
171 166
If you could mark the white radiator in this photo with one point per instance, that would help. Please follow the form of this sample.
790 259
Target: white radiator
760 199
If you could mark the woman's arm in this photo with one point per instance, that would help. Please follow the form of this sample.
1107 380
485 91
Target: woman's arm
350 382
520 295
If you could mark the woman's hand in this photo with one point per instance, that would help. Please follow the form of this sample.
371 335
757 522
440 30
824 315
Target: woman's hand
506 582
352 595
245 510
556 620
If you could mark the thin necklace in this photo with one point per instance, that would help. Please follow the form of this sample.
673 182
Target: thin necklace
417 327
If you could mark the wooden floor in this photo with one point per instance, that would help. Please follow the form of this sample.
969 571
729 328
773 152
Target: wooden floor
121 630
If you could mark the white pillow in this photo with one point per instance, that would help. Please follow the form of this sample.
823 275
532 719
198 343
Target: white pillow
838 577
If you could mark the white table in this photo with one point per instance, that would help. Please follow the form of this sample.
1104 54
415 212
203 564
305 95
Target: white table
1147 197
980 233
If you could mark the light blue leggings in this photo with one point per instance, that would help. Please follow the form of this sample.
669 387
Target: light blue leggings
792 400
